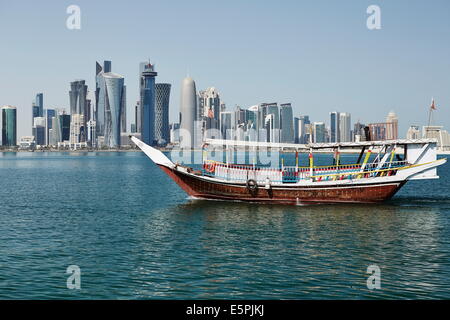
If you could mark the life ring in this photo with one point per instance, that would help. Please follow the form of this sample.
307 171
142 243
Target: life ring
252 186
210 167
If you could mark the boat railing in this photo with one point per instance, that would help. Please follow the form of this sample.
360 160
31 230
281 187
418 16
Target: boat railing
368 171
293 174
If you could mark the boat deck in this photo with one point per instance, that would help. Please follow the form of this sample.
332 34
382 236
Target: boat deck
294 174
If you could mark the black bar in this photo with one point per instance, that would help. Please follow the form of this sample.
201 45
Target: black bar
361 154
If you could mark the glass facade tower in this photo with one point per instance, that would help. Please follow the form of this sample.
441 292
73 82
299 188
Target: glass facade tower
286 123
114 104
147 103
9 126
162 132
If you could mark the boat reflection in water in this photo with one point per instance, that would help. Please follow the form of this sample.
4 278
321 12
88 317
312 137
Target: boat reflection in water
316 251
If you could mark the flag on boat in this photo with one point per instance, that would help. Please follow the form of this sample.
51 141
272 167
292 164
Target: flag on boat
433 106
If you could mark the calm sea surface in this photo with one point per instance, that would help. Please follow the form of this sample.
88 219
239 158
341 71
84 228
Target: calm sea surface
135 234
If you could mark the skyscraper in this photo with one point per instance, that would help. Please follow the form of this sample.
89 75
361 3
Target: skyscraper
286 123
162 131
39 131
391 126
137 116
296 130
65 126
188 107
413 133
9 126
270 125
100 96
174 132
147 103
359 132
252 123
55 136
319 132
34 112
225 125
77 94
304 130
345 127
208 110
272 108
334 127
114 104
77 129
39 103
37 107
240 116
48 115
123 117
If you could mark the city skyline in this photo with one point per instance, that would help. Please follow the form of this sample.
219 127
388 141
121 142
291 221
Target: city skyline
204 111
353 69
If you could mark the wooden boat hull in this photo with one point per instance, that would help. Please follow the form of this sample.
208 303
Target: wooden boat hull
197 187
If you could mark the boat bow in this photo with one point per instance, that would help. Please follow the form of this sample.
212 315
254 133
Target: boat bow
154 154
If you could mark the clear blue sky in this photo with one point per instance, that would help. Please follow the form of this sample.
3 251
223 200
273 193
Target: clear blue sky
318 55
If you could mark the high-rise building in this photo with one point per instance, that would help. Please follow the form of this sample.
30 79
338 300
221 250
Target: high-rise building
37 108
78 97
162 131
39 103
270 125
34 112
252 116
39 131
188 107
304 129
345 127
377 131
225 125
413 133
272 108
77 129
334 127
391 126
174 132
147 102
9 126
55 135
137 116
123 117
240 116
359 132
92 133
286 123
100 96
208 111
64 122
114 104
296 130
319 132
437 132
48 115
79 109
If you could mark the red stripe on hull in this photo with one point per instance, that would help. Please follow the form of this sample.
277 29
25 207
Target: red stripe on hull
200 188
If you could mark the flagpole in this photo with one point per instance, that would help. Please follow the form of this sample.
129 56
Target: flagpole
430 111
429 117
